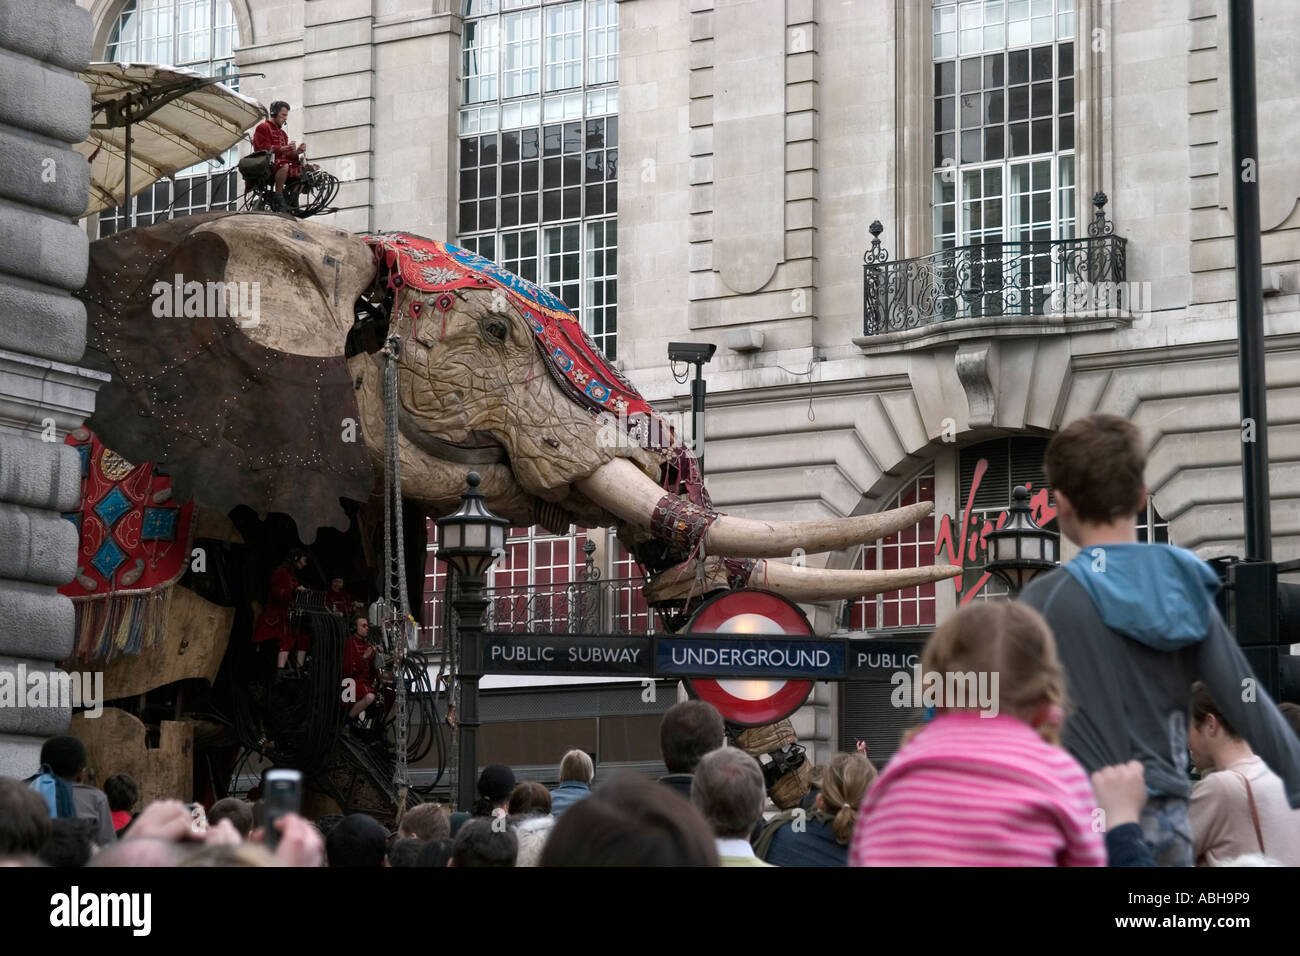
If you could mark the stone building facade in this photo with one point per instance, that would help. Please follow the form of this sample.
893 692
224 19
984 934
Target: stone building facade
43 188
757 140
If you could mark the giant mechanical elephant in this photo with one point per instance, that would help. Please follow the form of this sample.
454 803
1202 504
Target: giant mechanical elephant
281 407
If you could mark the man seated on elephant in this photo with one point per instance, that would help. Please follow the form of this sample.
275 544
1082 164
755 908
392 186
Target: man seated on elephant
286 155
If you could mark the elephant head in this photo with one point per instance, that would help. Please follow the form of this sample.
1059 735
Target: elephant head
285 410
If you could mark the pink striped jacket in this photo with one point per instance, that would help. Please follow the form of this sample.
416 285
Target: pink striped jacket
978 791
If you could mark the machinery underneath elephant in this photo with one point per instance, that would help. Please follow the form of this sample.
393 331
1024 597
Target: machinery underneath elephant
282 409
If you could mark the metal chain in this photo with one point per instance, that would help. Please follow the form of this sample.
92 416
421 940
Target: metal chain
395 560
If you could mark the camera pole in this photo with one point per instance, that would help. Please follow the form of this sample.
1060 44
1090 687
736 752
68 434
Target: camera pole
697 355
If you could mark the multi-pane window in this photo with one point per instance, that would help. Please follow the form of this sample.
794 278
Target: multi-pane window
479 72
602 42
632 615
601 290
910 548
200 35
563 46
1004 109
560 262
541 584
521 42
1151 525
539 148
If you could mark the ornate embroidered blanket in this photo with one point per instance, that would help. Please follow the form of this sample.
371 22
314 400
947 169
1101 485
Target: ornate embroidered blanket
135 544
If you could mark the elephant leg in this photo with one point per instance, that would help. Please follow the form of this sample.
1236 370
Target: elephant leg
786 768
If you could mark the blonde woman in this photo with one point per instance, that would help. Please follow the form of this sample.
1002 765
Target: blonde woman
820 837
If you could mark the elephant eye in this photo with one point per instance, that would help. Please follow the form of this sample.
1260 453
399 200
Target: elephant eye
497 328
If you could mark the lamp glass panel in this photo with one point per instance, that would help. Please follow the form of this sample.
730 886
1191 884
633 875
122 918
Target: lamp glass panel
476 536
451 536
497 536
1004 549
1033 548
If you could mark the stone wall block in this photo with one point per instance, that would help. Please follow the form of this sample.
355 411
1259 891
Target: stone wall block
38 620
37 174
40 546
37 721
43 100
55 31
39 474
51 251
42 322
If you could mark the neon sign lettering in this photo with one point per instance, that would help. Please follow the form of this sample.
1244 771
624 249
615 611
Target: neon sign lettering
969 548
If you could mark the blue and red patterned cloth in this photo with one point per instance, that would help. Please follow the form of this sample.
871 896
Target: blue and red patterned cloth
134 543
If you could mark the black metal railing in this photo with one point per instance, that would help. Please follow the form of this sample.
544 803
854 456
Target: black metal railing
995 278
614 606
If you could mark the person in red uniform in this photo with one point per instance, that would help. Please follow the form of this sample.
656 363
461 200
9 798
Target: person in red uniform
339 599
274 623
359 667
286 154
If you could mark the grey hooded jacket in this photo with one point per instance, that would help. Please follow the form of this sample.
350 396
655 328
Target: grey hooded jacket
1135 626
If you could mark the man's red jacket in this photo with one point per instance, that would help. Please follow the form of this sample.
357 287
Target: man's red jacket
269 136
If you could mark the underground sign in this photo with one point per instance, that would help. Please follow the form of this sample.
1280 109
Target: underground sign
762 619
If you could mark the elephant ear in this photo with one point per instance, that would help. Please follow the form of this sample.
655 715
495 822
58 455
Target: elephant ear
224 337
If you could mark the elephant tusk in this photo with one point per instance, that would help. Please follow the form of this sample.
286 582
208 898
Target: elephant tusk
814 585
625 491
745 538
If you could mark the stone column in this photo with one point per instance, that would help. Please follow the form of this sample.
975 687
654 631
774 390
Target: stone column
43 191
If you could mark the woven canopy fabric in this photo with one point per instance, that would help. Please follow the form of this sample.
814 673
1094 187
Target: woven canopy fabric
202 121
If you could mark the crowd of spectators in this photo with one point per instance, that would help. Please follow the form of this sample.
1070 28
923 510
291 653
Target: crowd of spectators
1114 676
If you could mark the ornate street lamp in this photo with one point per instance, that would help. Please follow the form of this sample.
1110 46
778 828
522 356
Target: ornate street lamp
470 540
1020 550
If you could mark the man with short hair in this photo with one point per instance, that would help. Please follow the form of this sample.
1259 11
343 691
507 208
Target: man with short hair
66 758
728 789
357 841
1135 625
239 813
576 773
426 822
1239 806
484 842
688 731
286 155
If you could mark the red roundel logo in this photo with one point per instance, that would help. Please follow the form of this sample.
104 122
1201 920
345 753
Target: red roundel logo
750 613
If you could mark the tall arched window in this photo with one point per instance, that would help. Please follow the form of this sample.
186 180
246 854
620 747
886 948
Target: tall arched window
199 35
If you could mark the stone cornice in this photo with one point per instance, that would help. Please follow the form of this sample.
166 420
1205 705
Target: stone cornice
34 389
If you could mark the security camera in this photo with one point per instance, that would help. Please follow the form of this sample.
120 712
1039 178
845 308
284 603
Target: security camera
693 352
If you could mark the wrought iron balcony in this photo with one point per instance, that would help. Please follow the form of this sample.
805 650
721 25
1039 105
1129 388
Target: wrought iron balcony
594 606
996 278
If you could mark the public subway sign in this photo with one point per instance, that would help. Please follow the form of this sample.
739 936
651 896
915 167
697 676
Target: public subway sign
567 654
685 657
969 547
